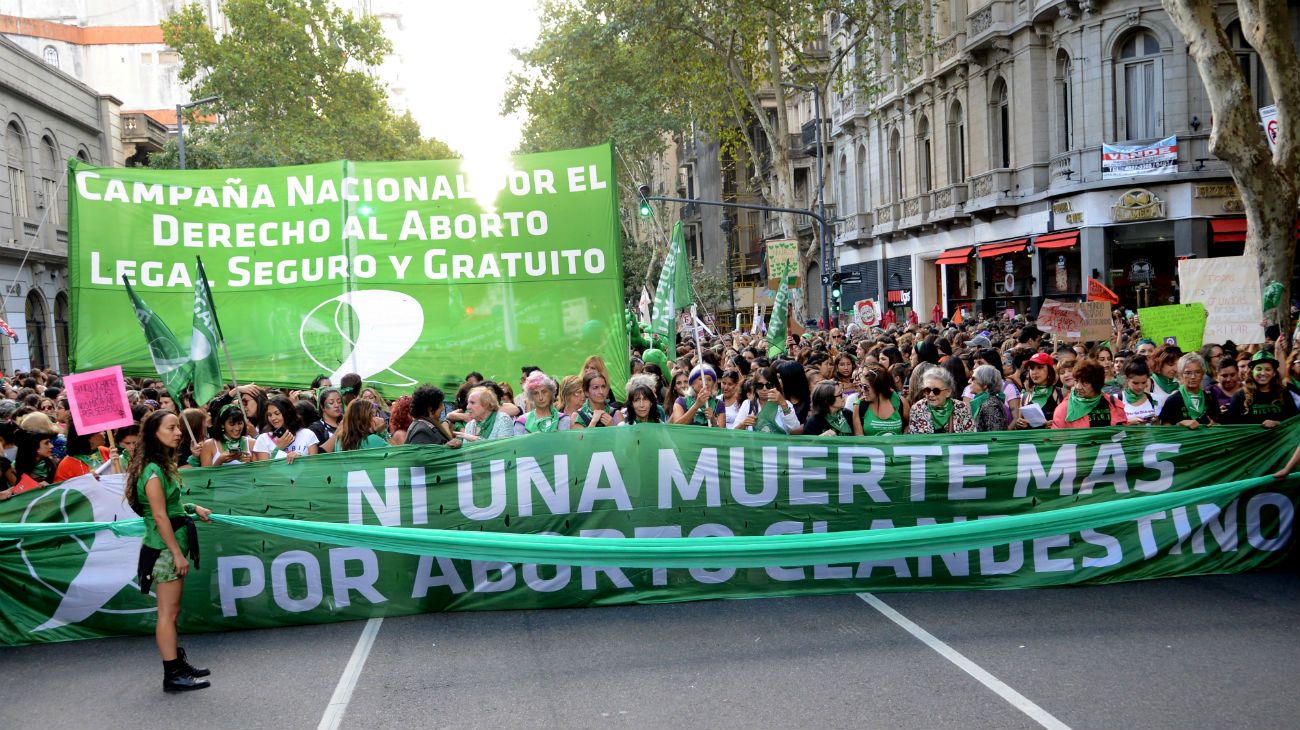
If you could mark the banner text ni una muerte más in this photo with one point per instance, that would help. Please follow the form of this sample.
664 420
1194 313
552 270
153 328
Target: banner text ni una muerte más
653 481
392 270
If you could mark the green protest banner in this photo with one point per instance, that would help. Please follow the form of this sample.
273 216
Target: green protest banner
414 529
402 272
1178 324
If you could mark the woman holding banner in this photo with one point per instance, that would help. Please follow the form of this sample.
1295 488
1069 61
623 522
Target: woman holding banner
170 540
487 421
700 407
287 439
330 403
881 411
543 417
1189 405
597 411
768 411
1264 399
826 413
1088 406
937 411
232 445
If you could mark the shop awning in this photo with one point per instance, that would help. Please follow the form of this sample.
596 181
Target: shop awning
955 256
1064 239
1233 230
1005 247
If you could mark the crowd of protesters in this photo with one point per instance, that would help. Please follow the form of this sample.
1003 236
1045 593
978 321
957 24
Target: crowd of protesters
940 378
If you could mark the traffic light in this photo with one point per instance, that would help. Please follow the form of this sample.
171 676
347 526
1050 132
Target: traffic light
643 191
837 286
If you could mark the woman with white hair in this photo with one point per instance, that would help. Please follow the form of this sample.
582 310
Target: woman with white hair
542 415
1188 405
488 421
700 406
988 402
938 412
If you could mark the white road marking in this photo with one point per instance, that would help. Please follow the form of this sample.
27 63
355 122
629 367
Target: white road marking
1017 700
351 673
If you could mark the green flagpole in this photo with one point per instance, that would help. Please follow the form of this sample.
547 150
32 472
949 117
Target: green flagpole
221 338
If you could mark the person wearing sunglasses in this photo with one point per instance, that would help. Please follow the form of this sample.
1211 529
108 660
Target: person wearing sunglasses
938 412
1263 398
754 413
1188 405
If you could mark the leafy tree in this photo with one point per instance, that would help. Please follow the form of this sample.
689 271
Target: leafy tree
291 86
1269 181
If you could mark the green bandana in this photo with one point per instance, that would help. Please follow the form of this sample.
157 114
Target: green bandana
1167 385
1193 405
839 423
941 416
533 424
977 402
585 413
1039 395
1132 397
234 444
704 414
1079 407
91 460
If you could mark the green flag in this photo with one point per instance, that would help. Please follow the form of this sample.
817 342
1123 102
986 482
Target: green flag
674 291
780 316
169 360
203 343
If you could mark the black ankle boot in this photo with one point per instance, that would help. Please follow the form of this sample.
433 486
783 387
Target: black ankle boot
176 680
190 669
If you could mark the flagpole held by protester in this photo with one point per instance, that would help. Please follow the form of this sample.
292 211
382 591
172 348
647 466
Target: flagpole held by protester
221 338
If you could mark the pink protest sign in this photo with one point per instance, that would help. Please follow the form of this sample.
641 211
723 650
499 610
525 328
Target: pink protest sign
98 401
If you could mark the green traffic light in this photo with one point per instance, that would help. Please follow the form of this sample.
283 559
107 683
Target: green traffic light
835 293
645 209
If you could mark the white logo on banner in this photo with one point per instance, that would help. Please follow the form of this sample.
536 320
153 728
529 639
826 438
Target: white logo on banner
388 324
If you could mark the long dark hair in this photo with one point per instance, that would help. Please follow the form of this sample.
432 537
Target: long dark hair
29 443
292 420
149 451
656 411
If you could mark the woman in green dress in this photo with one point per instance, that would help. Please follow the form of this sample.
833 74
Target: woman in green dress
153 490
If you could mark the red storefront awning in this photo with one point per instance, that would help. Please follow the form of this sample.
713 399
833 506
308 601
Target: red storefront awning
997 249
955 256
1233 230
1064 239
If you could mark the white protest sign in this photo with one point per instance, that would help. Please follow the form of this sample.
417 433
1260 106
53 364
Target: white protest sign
1268 118
1229 288
866 312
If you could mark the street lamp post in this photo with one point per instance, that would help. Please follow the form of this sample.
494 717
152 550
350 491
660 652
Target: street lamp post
180 124
821 198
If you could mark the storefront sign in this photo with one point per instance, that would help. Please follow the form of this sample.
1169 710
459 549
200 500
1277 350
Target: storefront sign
1141 272
1229 288
1137 205
1074 219
1160 158
1226 190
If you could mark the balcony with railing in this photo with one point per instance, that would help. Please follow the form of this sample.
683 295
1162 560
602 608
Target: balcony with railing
988 23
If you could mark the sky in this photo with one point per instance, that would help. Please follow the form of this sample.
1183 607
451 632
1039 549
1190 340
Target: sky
456 59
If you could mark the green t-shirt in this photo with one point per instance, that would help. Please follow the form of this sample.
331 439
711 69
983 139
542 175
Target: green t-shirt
371 441
172 493
873 425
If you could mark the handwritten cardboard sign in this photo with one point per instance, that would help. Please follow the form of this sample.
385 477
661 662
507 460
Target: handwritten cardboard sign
1175 324
1228 286
98 401
866 312
1076 321
782 253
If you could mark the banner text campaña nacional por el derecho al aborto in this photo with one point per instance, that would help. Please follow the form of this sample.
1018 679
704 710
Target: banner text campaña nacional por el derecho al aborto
392 270
651 481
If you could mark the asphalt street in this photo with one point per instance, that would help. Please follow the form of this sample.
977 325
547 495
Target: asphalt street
1211 652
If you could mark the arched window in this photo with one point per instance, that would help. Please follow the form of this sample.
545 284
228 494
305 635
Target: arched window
61 329
1139 87
51 55
864 196
956 145
1000 125
50 179
16 160
924 176
36 321
1064 102
843 190
1250 66
896 166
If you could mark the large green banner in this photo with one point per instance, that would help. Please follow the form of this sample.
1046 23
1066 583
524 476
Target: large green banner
414 529
402 272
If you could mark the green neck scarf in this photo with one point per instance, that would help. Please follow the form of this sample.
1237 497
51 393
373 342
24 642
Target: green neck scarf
977 402
1167 385
1132 397
1039 395
1193 405
1295 384
1079 407
941 416
704 415
546 424
837 421
91 460
234 444
586 413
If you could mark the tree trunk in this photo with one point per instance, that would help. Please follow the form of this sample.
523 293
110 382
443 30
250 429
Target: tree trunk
1267 181
779 141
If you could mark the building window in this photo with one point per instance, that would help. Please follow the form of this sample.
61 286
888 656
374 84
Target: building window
1250 66
956 145
1000 116
1065 102
61 329
36 320
51 56
896 166
50 180
16 161
843 190
1140 89
924 175
864 199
